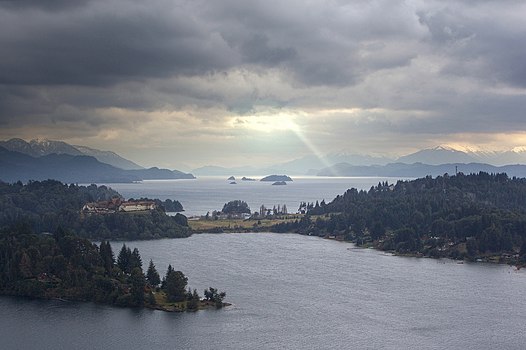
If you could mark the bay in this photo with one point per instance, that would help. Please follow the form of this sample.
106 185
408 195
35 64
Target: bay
292 292
209 193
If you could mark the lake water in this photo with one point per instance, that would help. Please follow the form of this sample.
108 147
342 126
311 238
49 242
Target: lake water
292 292
210 193
288 291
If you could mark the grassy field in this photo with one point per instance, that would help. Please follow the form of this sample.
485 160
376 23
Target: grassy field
233 225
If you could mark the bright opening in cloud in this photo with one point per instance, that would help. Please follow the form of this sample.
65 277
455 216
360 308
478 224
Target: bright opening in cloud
266 123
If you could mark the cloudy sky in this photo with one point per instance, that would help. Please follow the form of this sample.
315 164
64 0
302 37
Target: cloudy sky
230 82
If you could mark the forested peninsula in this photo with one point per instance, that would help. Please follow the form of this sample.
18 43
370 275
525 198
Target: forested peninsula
66 267
42 257
475 217
45 206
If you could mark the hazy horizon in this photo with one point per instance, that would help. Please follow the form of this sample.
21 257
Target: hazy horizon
180 84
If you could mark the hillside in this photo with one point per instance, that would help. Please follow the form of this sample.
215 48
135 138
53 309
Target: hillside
477 216
49 205
40 148
419 169
16 166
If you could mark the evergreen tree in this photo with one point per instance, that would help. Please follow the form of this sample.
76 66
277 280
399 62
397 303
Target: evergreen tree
106 254
137 282
175 285
123 260
135 259
213 295
236 207
152 275
193 300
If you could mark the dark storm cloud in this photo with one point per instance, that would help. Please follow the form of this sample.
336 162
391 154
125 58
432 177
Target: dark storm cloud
96 45
100 44
490 46
452 61
50 5
257 50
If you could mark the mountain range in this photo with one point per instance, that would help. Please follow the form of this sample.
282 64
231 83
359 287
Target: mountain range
440 155
448 154
41 160
307 165
420 170
39 148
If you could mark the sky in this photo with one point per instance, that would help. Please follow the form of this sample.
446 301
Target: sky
181 84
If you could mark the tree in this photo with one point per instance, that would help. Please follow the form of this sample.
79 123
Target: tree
175 285
236 207
471 247
193 300
123 260
137 282
135 259
213 295
522 253
262 210
106 254
152 275
25 266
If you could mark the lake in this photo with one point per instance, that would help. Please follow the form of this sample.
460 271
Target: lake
292 292
208 193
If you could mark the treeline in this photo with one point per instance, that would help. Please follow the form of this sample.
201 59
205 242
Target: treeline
67 267
462 216
47 205
168 205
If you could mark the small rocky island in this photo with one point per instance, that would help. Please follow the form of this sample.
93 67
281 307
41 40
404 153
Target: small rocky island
247 179
279 183
231 178
275 178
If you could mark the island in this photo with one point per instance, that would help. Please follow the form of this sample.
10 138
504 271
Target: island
476 217
233 183
247 179
274 178
279 183
231 178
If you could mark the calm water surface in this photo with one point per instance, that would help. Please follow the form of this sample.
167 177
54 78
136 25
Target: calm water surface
208 193
292 292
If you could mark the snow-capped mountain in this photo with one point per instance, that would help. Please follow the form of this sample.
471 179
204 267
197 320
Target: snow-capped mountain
438 155
40 148
465 154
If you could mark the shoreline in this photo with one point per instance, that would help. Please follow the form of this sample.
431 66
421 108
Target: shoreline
203 304
246 226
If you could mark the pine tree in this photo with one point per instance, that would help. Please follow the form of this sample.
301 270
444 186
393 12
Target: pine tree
135 259
137 282
106 254
123 260
175 285
152 275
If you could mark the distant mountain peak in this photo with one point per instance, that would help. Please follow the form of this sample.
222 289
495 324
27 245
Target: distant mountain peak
40 147
462 148
519 149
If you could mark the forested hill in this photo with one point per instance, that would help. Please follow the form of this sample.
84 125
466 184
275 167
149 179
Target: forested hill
46 206
462 216
63 266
